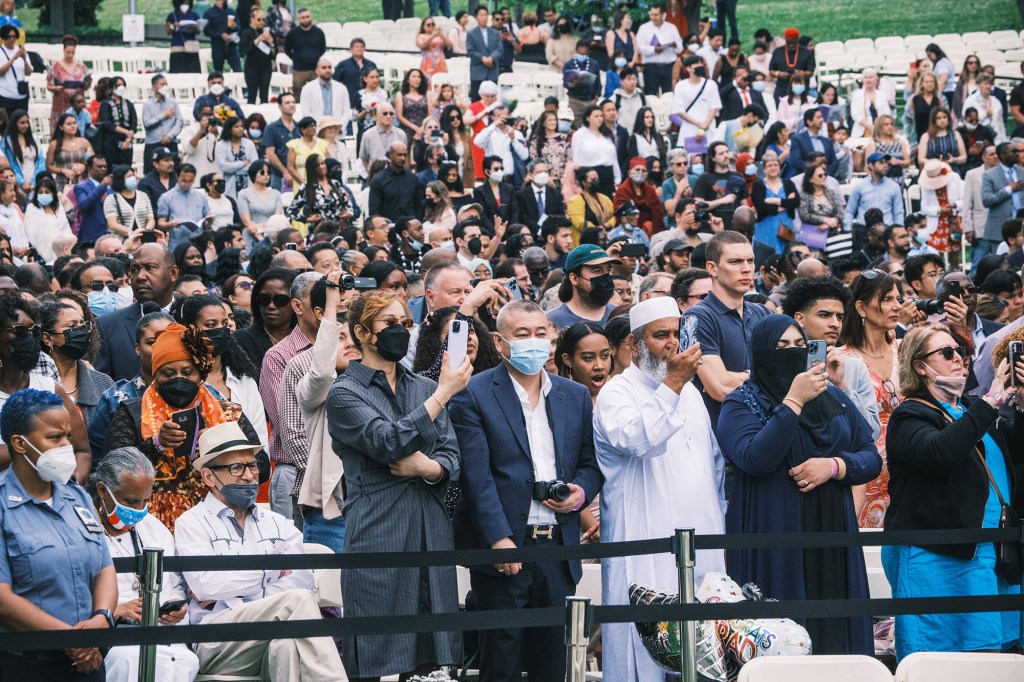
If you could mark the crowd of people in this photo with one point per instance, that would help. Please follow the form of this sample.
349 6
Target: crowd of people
507 335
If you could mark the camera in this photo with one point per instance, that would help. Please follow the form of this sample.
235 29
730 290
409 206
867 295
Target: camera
702 215
551 490
348 282
930 306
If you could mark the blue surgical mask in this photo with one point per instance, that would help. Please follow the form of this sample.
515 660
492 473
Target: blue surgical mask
102 302
416 244
620 62
124 517
697 168
255 133
750 170
797 89
564 126
758 86
529 355
44 199
448 245
131 183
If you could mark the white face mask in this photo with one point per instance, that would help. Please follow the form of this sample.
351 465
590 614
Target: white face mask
56 464
497 175
216 89
183 9
165 91
125 296
121 91
541 179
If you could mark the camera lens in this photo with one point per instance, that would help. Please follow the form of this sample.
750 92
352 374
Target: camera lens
559 491
347 282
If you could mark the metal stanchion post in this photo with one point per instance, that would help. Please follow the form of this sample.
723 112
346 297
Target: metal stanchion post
151 570
577 637
685 559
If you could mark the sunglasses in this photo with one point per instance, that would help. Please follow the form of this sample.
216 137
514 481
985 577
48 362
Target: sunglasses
100 286
244 285
279 300
700 297
406 322
947 353
71 330
21 330
873 274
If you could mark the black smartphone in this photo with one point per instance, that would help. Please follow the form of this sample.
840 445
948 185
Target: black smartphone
633 251
171 606
188 421
1015 353
436 134
148 237
291 246
816 352
954 290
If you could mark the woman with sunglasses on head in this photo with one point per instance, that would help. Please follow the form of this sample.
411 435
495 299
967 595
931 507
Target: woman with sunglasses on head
65 338
272 314
126 208
966 84
181 361
869 333
232 373
392 431
951 462
19 355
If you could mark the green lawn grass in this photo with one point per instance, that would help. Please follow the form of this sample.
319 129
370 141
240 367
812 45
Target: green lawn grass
822 19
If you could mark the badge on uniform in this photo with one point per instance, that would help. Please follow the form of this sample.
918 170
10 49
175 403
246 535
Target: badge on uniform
89 519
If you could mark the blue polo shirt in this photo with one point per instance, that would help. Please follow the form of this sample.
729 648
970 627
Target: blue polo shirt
278 136
51 552
722 332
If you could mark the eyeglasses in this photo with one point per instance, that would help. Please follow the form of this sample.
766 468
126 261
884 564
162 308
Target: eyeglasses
896 273
406 322
237 468
21 331
947 353
100 286
386 113
699 297
894 398
279 300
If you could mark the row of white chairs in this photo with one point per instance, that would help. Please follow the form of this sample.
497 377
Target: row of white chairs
1000 40
918 667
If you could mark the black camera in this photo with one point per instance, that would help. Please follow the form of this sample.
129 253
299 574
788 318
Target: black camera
348 282
551 490
701 214
930 306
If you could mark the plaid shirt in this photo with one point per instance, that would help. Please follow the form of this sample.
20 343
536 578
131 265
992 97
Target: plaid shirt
270 383
293 426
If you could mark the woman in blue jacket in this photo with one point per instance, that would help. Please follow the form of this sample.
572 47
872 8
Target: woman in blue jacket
27 158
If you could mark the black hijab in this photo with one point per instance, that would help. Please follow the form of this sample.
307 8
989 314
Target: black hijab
774 369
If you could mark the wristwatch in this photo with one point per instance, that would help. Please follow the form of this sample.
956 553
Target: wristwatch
106 613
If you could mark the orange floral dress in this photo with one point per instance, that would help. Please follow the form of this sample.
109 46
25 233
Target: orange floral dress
888 396
946 237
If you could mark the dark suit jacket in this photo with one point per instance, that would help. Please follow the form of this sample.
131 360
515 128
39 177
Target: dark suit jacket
497 471
527 212
801 146
989 327
476 51
732 102
117 358
485 197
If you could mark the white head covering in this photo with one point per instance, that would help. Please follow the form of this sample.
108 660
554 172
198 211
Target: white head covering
653 309
488 88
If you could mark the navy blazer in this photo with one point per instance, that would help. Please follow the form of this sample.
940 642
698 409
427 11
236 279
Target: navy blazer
497 471
476 51
117 358
800 147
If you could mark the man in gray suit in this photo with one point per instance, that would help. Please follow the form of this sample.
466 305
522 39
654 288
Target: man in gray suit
1002 193
974 213
484 47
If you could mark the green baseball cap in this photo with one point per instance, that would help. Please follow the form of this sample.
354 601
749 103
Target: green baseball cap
588 254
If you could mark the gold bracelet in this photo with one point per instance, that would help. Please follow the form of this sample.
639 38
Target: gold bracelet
439 403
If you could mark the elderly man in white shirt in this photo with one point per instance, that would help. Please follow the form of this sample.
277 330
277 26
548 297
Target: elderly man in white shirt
663 470
502 140
228 523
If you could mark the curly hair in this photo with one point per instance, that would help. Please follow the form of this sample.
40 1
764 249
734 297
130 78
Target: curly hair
229 264
82 300
428 347
21 409
1002 349
12 302
803 292
234 358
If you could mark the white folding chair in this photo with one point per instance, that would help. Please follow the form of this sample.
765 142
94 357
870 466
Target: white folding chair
957 667
814 669
327 580
548 83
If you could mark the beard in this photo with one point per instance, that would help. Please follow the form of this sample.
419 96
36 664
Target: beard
653 367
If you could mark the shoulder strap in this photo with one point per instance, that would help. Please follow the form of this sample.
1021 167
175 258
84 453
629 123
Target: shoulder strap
977 449
697 97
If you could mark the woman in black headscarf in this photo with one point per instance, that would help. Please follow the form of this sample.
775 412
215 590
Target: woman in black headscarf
797 448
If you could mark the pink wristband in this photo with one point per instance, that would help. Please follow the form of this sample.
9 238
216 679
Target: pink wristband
835 467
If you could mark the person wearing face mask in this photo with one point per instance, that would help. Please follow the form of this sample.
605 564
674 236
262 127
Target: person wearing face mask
45 219
227 522
587 288
641 193
118 122
407 244
183 28
662 469
696 103
397 463
797 450
65 338
161 119
581 76
539 198
496 195
67 580
120 489
180 361
961 451
790 60
516 420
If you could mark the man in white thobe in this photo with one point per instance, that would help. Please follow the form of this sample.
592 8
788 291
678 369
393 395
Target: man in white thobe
663 470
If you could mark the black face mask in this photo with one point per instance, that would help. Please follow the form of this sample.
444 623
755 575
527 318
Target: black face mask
700 71
25 352
393 342
193 270
602 288
76 343
178 392
475 246
220 338
219 185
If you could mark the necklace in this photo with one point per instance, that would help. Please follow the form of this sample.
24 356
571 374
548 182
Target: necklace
796 57
872 355
273 338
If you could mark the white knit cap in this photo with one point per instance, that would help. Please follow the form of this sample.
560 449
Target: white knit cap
652 309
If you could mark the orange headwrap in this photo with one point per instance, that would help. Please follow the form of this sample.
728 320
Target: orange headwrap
169 346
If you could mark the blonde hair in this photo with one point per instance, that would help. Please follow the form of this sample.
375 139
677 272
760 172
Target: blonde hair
879 122
364 308
912 350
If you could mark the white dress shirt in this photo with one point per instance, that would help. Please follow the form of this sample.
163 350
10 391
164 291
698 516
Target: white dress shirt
589 149
665 34
496 142
210 528
542 446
